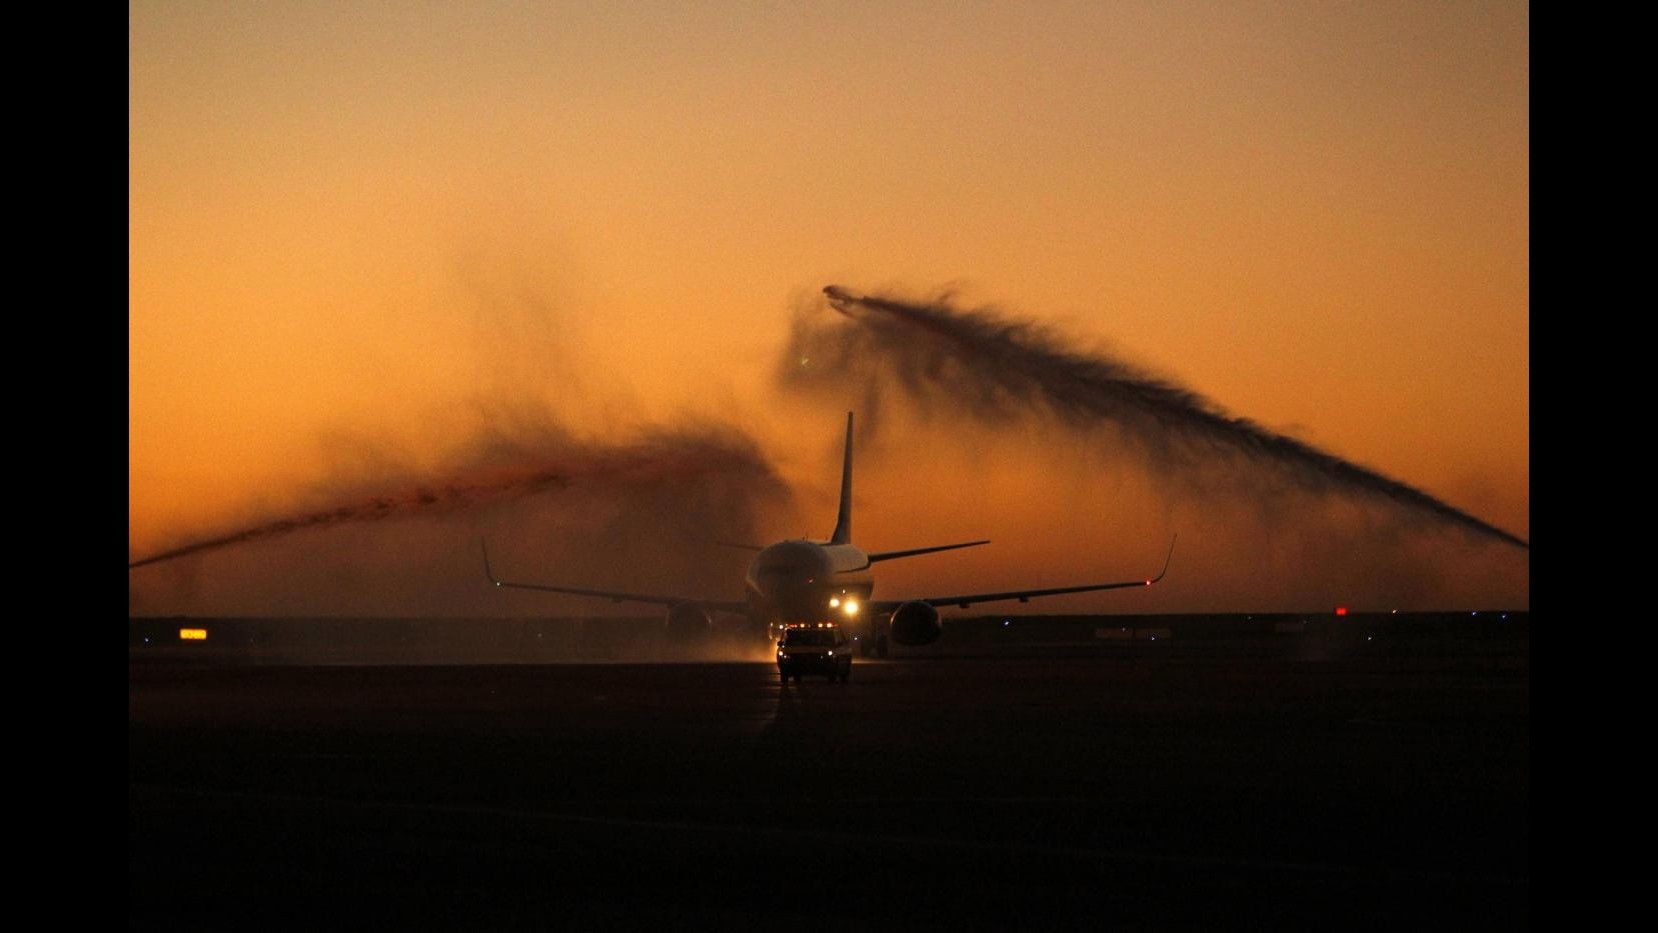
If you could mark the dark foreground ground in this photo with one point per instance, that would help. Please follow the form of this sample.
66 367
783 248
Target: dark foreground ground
1131 788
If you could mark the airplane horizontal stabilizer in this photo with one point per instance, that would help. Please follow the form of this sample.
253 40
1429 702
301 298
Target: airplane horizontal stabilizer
894 555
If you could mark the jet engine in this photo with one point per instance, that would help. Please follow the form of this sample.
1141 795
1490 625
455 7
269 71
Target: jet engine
916 623
689 620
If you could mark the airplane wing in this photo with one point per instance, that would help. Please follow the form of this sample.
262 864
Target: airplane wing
1023 595
614 596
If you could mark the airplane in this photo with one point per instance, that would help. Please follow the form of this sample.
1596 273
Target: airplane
804 581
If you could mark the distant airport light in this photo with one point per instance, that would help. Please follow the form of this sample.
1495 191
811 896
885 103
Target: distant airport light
834 602
192 634
1341 610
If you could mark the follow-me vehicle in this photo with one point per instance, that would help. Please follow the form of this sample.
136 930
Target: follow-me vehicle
817 648
804 582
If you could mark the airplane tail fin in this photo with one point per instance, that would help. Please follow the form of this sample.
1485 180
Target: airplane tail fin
843 521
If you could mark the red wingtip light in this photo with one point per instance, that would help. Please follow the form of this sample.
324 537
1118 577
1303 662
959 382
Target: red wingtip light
1341 610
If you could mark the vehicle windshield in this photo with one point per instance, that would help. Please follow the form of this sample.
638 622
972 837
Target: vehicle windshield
809 636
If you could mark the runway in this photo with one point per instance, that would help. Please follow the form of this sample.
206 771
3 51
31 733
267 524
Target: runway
1138 791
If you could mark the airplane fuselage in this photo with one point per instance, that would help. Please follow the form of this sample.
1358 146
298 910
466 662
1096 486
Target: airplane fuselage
800 581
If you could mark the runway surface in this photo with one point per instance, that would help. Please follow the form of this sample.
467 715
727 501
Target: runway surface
1139 791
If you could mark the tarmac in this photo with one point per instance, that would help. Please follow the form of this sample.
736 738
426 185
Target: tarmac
1035 789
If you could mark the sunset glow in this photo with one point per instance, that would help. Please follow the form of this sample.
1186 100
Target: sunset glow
407 259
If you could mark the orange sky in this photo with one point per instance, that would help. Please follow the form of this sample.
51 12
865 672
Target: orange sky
350 223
